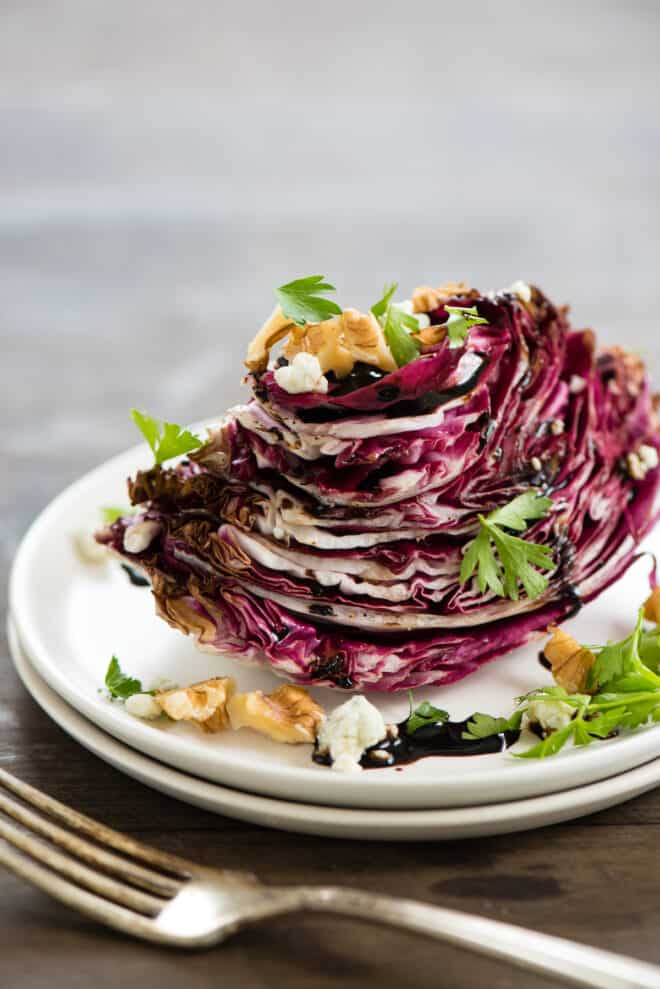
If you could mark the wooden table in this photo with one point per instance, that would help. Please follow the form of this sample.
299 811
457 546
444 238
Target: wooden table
162 168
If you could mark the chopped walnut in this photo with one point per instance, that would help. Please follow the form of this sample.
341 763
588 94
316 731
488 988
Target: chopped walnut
432 334
203 703
366 341
289 714
274 329
652 606
339 342
570 661
426 299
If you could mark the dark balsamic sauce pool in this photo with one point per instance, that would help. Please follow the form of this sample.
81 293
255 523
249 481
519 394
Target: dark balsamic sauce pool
402 747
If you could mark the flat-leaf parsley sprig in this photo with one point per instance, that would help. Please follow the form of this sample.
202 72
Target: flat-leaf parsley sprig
166 439
503 561
631 698
424 714
484 725
119 685
460 322
398 327
619 666
301 300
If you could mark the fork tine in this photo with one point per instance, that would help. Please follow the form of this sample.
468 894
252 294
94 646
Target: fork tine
78 899
99 832
164 886
80 874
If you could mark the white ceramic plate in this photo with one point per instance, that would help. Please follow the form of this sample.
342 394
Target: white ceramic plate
335 822
72 617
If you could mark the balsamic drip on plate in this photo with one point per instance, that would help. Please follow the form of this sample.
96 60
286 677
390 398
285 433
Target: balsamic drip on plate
136 579
438 739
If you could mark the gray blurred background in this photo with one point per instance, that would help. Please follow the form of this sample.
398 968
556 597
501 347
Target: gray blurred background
164 165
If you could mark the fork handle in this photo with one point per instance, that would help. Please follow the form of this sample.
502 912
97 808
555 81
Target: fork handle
568 961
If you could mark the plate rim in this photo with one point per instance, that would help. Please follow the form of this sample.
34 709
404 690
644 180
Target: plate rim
452 823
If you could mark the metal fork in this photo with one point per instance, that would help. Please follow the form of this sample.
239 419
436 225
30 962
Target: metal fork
162 898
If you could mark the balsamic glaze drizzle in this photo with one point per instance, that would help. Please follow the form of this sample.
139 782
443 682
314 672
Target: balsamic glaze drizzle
136 579
402 747
427 402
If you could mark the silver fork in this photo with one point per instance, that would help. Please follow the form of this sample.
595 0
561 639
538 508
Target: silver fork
161 898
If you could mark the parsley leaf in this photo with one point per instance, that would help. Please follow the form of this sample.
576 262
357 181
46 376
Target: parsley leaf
398 325
501 560
380 308
300 304
110 513
619 665
484 725
119 685
523 509
583 730
166 439
425 714
550 745
649 649
556 694
460 322
397 329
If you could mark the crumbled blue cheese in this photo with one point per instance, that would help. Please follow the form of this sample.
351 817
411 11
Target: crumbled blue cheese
143 706
550 715
648 456
641 461
348 731
303 374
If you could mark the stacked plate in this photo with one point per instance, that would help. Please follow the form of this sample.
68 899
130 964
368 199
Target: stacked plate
68 617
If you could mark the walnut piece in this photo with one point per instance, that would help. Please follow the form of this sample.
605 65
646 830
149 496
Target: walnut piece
570 661
274 329
203 703
289 714
339 342
426 299
652 606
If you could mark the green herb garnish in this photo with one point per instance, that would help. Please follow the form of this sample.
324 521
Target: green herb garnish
619 665
460 322
166 439
588 724
398 325
380 308
300 302
484 725
119 685
110 513
397 329
632 697
424 714
504 561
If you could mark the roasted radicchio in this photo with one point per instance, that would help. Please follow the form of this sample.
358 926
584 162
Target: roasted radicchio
323 533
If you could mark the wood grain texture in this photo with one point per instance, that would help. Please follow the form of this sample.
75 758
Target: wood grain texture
162 166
